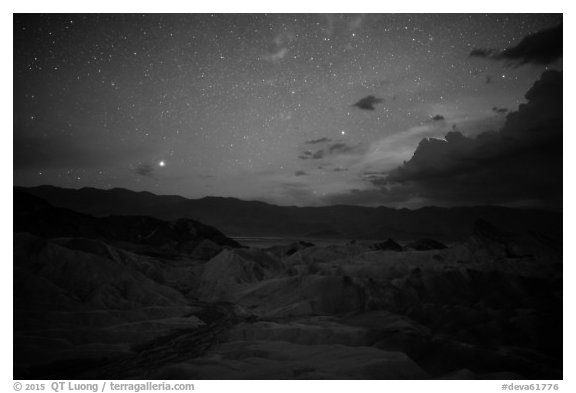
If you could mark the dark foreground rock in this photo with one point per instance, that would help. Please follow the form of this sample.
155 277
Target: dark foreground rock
426 245
389 244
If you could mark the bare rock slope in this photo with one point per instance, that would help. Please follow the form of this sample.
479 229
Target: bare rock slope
126 297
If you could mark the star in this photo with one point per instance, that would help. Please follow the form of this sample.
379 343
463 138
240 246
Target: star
248 100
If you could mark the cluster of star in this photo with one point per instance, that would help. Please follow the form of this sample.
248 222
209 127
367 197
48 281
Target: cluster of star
224 97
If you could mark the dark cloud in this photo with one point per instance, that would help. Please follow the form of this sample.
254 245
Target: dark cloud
543 47
145 170
344 148
488 79
481 52
372 176
339 148
318 155
367 103
340 169
437 118
308 155
519 165
315 141
300 173
500 111
522 162
333 149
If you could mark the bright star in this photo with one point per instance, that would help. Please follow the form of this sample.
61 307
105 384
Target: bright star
161 163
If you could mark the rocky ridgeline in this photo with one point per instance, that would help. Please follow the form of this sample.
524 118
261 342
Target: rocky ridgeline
137 233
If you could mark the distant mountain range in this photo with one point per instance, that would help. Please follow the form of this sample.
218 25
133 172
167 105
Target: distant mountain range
236 217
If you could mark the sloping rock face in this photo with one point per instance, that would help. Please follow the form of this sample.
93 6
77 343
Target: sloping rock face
86 304
284 360
475 305
282 251
152 303
388 245
230 272
306 331
425 245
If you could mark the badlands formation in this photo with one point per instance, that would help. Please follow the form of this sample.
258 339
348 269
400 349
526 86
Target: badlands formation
137 297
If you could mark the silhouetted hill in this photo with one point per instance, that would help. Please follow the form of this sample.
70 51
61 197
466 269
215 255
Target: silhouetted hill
252 218
36 216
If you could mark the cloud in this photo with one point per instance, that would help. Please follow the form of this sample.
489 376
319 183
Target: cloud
437 118
145 170
276 56
367 103
320 140
300 173
543 47
308 155
481 52
340 169
343 148
521 162
284 38
500 111
318 155
333 150
281 42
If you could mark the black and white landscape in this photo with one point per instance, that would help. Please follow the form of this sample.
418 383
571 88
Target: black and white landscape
288 196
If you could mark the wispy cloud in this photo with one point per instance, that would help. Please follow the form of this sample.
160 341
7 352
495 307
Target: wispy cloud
281 43
276 56
145 170
319 140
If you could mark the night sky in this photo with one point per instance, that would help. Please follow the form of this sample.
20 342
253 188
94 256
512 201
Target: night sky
303 109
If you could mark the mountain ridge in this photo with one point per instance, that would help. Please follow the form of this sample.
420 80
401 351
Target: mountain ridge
236 217
255 201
